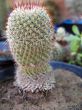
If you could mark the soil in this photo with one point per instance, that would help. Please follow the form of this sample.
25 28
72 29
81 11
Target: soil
67 95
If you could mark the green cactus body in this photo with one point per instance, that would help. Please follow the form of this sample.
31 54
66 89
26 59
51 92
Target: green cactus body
29 33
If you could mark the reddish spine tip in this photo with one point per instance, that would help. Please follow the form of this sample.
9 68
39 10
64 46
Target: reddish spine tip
27 5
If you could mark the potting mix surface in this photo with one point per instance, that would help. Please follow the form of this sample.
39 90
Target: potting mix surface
67 95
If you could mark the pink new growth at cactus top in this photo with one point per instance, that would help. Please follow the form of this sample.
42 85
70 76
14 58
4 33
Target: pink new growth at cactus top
28 4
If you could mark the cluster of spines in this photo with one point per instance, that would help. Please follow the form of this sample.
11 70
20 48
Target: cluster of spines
31 43
26 4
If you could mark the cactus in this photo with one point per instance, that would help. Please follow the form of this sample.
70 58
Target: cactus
29 33
61 32
58 52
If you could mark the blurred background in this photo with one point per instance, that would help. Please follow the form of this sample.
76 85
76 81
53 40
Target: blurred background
5 8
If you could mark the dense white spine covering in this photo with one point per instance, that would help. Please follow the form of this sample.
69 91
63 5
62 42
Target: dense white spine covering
29 33
36 82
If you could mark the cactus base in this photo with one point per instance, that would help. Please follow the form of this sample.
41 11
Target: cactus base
36 82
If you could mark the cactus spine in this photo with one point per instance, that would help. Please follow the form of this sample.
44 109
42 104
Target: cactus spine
29 33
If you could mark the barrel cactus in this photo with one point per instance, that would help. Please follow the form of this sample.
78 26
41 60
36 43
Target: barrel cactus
29 32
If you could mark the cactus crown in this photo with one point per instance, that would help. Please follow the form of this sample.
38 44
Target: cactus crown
27 4
29 32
